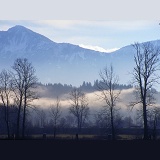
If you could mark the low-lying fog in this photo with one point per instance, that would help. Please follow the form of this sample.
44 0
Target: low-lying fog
94 103
47 99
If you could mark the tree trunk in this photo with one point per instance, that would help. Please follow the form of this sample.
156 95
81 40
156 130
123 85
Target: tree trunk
24 115
7 121
23 124
112 125
8 130
78 125
145 122
18 117
55 129
154 129
18 122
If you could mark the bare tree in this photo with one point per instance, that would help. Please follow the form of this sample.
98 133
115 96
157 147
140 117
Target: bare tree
102 120
70 122
153 116
127 121
79 107
55 115
109 94
146 64
42 118
24 80
5 95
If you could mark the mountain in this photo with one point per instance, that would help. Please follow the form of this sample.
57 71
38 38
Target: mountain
61 62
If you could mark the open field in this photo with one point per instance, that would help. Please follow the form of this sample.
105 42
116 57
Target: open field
61 137
87 146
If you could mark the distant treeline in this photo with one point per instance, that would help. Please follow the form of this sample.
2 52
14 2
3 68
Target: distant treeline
58 89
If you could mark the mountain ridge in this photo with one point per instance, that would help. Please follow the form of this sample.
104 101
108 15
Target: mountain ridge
61 62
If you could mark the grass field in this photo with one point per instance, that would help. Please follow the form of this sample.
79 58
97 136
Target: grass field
81 137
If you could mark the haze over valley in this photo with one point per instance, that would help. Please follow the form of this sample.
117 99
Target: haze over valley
65 63
45 84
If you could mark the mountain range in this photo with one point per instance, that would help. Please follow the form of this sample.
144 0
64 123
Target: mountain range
62 62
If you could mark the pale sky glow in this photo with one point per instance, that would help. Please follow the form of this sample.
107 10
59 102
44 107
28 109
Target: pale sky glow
105 36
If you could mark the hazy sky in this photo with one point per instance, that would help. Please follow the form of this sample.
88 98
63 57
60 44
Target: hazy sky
98 35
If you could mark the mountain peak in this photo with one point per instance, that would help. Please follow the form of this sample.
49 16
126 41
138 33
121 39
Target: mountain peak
23 40
18 28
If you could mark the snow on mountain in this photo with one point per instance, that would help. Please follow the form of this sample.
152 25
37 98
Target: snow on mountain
97 48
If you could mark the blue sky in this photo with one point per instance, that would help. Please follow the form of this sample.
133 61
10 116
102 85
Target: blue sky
99 35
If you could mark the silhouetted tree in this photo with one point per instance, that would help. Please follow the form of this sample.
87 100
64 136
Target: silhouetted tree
42 118
127 122
69 119
79 107
5 95
153 116
23 82
109 94
144 74
55 112
102 120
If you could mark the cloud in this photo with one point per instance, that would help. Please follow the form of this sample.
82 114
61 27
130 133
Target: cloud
94 102
100 34
97 48
120 25
48 102
60 24
125 98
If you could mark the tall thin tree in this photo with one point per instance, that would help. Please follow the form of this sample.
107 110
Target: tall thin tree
55 115
24 80
109 93
144 74
79 107
5 95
